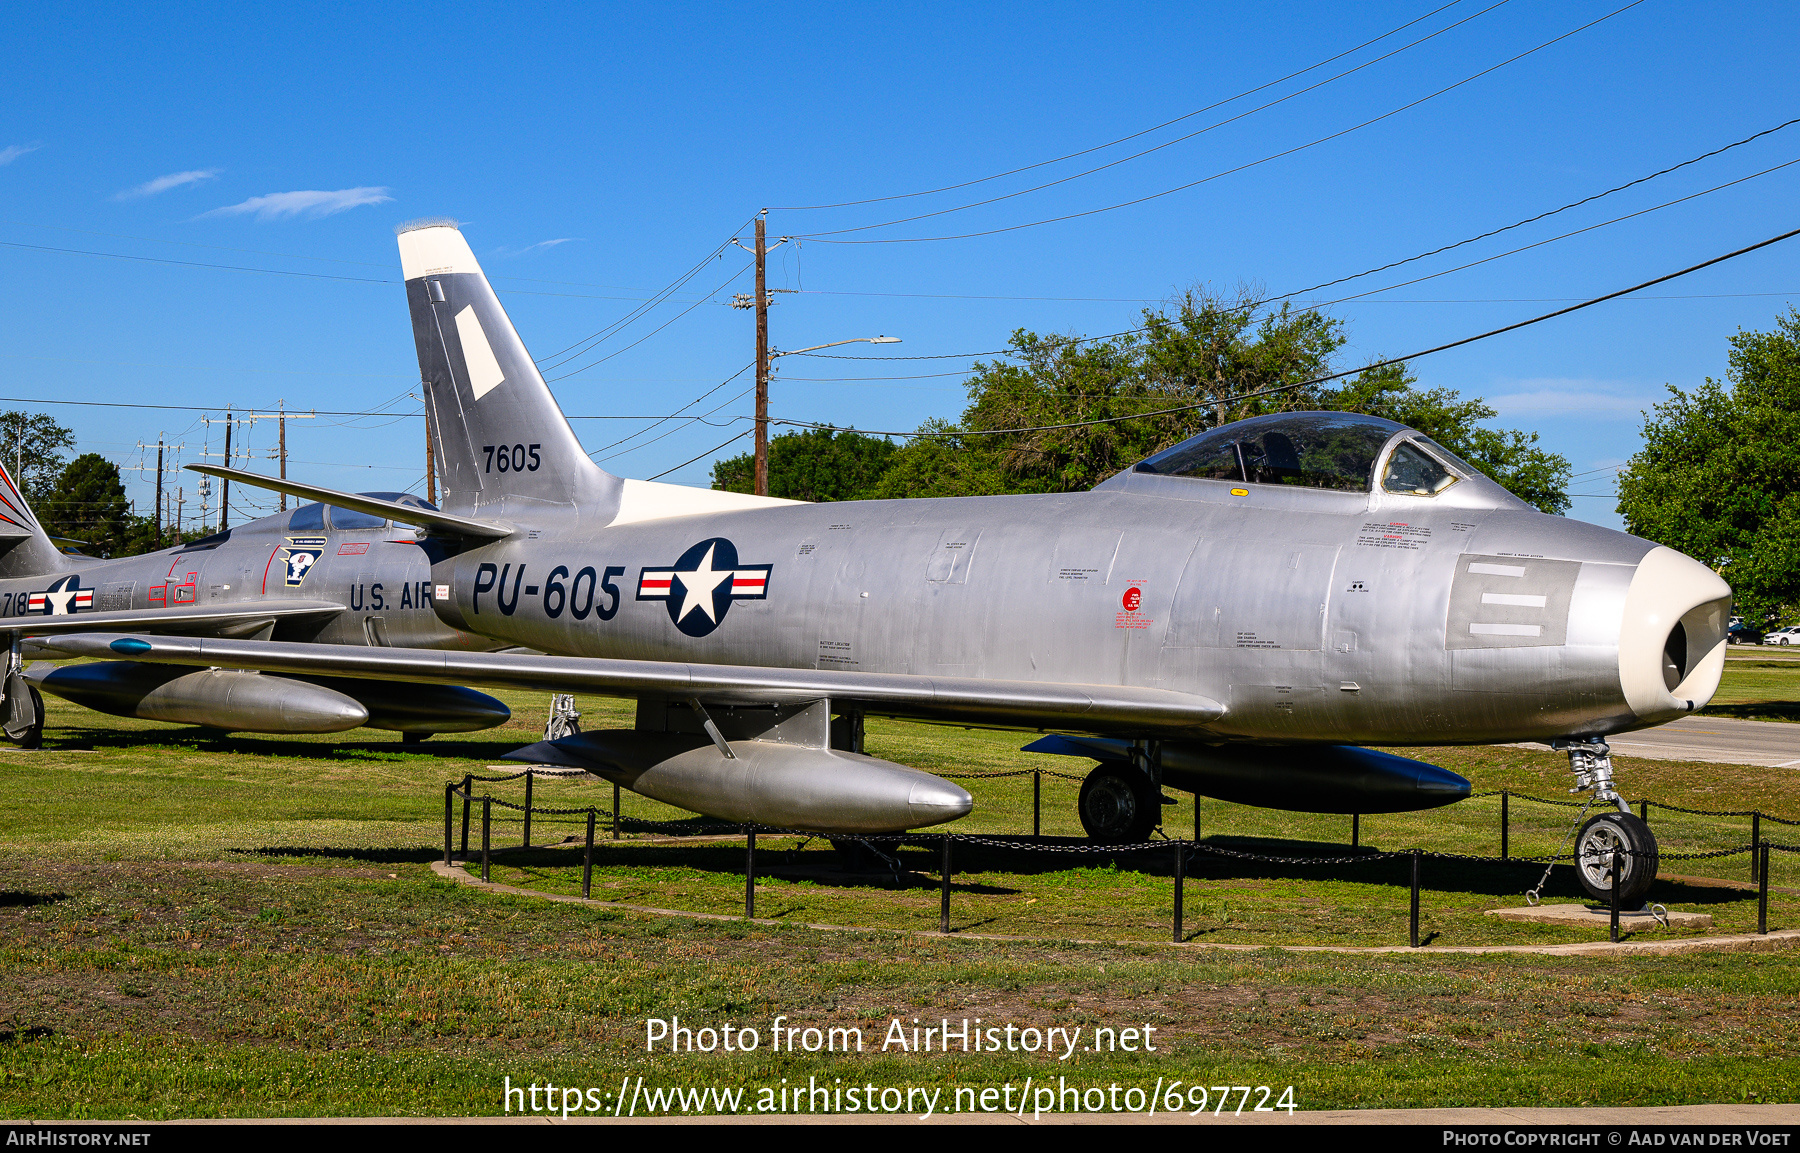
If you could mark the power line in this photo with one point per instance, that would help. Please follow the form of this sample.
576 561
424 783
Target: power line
678 411
1566 235
641 339
825 237
702 456
1132 136
1177 140
581 346
1554 211
1214 401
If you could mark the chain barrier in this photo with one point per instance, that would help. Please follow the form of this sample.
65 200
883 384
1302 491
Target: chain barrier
1012 773
1710 813
1017 845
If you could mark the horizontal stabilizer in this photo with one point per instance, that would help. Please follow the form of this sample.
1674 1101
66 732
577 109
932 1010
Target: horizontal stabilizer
440 523
209 621
1027 704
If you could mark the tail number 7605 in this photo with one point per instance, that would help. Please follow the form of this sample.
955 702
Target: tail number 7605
513 458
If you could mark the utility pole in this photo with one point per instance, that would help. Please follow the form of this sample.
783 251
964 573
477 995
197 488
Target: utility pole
282 418
180 510
225 496
159 497
762 359
430 462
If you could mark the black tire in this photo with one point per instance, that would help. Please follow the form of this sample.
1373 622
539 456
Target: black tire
1594 853
34 738
1119 805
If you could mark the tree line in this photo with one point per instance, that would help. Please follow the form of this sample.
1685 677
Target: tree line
1231 356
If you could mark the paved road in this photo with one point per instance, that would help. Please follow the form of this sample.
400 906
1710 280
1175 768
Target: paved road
1721 739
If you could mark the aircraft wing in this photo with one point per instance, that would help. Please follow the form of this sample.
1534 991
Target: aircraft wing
1026 704
440 522
222 621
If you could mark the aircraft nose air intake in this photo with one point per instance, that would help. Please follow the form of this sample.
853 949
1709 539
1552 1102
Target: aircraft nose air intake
1672 636
933 801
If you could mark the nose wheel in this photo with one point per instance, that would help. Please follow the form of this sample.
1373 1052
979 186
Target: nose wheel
1627 839
1607 838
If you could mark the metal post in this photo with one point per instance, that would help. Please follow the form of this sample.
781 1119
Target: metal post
487 808
1762 890
750 876
468 791
1355 830
526 843
1755 839
449 819
1037 782
615 812
1180 868
1644 810
1415 898
587 860
1504 798
1618 866
1196 818
944 901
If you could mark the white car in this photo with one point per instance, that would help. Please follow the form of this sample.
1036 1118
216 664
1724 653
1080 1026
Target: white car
1786 636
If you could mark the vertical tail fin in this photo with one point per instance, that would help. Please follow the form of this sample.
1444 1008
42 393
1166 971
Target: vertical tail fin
504 446
25 548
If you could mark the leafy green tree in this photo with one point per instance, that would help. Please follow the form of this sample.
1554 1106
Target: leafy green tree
30 450
89 505
1718 477
1211 359
1508 456
816 465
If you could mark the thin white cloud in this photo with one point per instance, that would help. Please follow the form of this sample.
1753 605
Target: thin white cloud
164 183
509 252
1597 398
303 205
13 151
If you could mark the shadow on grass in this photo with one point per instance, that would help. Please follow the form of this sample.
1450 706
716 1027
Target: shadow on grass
17 899
919 864
200 740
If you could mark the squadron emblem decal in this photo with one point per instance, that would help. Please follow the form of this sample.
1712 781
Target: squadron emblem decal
700 587
302 553
62 598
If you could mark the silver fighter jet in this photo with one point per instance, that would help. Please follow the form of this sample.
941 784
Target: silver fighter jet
316 574
1236 616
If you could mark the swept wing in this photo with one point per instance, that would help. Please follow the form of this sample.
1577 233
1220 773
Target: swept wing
1120 709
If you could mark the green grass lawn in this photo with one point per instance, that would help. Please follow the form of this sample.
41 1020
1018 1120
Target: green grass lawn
200 925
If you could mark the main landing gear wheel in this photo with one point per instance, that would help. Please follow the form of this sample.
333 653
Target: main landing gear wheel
1119 805
1594 847
24 721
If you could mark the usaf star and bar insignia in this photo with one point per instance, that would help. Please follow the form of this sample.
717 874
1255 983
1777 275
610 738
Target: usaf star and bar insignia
700 587
63 597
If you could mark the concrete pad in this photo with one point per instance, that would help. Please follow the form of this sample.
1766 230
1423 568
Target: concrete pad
1600 917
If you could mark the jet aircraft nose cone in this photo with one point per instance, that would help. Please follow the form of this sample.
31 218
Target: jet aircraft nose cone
1672 635
934 801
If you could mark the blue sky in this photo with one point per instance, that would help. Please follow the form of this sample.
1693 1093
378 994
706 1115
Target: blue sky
597 154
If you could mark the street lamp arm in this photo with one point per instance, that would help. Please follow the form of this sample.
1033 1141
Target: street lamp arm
854 340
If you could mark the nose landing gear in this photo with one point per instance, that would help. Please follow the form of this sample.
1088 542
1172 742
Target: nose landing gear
1605 834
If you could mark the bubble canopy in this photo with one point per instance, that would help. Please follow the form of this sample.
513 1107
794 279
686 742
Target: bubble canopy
1332 450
